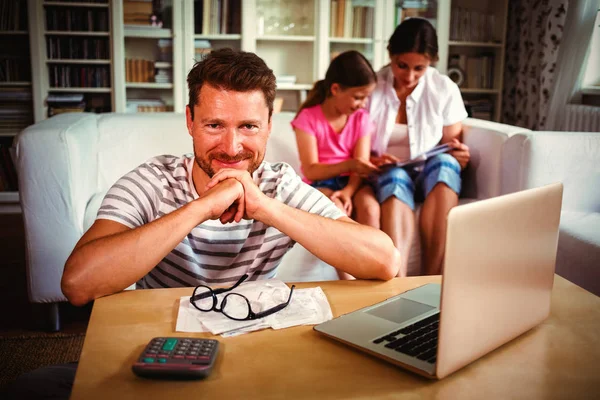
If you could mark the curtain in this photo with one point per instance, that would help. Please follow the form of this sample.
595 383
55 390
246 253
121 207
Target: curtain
534 33
572 56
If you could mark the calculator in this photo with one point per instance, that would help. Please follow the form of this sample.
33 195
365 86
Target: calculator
177 358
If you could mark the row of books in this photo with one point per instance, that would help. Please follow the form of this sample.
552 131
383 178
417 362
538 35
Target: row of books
147 13
14 69
59 103
347 20
66 76
76 19
217 16
478 70
471 25
8 172
13 15
147 105
16 111
137 70
81 48
480 108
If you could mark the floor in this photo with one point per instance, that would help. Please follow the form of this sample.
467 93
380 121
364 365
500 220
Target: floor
19 316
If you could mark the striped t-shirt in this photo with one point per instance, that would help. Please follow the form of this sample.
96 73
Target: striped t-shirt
212 253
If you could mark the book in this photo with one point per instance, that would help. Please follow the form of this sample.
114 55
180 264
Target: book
421 158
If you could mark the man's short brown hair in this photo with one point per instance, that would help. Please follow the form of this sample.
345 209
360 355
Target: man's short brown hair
229 69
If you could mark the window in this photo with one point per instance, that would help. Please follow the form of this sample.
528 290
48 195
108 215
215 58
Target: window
591 78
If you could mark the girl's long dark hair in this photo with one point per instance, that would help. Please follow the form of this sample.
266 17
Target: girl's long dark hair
348 69
414 35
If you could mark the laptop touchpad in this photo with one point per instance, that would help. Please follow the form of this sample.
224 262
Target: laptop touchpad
400 310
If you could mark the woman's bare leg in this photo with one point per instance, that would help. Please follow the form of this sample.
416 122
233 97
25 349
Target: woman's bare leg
398 221
433 226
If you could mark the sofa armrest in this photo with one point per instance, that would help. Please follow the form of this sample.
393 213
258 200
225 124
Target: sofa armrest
57 172
481 178
534 159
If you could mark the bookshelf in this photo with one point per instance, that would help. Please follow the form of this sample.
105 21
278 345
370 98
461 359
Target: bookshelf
16 100
476 52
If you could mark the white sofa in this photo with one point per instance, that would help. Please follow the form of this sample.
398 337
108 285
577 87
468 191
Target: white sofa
533 159
67 163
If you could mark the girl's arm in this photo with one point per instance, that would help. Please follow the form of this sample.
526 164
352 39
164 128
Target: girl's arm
362 151
315 171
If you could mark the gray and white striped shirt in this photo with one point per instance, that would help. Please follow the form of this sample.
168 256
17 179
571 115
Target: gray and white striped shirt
212 253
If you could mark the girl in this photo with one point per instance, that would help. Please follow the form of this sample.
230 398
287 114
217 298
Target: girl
333 130
414 108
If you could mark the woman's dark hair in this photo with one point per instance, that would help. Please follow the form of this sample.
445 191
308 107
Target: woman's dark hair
229 69
414 35
348 69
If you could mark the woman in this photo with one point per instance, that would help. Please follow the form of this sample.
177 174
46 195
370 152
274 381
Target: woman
414 108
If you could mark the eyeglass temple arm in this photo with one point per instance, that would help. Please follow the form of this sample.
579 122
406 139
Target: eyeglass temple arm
276 308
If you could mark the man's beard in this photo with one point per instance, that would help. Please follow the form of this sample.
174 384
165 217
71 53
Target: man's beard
206 164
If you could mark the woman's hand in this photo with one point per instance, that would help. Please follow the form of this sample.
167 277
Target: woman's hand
460 152
384 159
342 200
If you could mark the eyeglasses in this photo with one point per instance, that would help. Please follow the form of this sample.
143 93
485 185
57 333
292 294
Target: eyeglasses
233 305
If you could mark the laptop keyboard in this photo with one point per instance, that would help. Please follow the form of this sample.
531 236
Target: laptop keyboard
417 340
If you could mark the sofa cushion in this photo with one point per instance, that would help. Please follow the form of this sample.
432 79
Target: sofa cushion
578 255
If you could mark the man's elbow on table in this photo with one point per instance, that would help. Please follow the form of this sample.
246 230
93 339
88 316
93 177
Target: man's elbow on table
71 287
390 265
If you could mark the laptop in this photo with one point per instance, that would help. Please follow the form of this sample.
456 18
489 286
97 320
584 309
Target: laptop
497 281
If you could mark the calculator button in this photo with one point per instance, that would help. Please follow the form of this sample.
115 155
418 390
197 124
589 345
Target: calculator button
191 357
169 344
178 356
148 360
162 360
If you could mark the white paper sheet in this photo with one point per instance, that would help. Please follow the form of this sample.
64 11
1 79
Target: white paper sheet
308 306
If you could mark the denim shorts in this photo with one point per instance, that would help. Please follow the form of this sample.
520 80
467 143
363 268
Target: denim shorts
335 184
410 184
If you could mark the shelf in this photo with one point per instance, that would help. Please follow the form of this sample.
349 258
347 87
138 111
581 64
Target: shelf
226 36
76 61
78 4
80 90
474 44
15 83
9 197
592 90
283 38
163 64
148 85
13 33
149 33
294 86
479 91
9 134
76 33
351 40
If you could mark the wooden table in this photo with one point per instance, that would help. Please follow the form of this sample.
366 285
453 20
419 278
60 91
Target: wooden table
558 359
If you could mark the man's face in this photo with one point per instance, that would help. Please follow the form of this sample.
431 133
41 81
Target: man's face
230 129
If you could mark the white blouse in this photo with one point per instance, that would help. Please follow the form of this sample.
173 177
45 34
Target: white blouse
434 103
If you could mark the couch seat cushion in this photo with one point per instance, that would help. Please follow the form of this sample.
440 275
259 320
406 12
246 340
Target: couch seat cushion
578 255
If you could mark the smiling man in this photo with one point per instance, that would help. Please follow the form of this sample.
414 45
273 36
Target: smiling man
223 212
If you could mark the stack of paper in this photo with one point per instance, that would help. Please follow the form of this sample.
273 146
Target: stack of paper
308 306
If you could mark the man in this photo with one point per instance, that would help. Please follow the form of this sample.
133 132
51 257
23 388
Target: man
182 221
